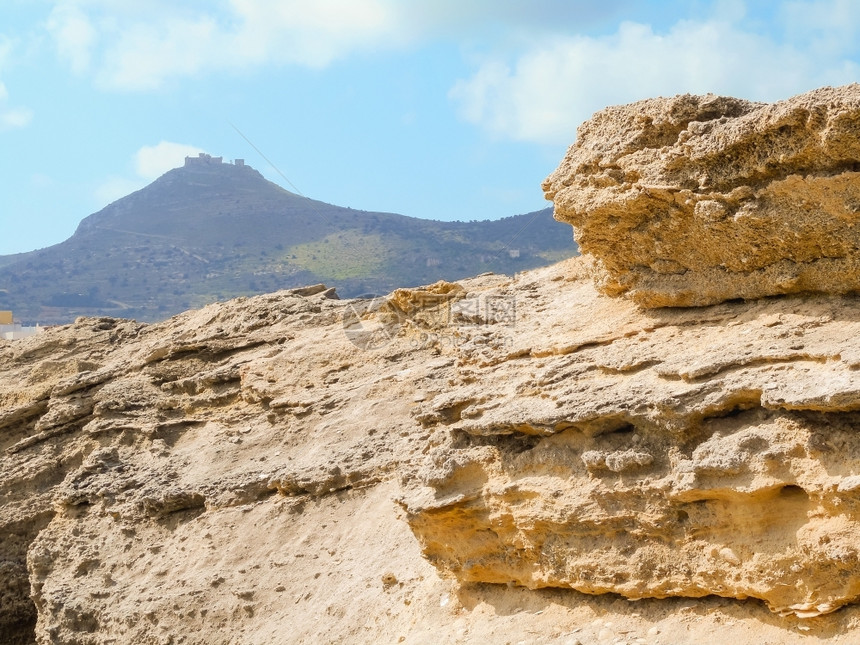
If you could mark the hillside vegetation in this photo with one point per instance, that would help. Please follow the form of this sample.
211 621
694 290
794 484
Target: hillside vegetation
211 231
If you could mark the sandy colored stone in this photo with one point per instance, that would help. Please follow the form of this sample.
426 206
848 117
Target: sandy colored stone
694 200
248 473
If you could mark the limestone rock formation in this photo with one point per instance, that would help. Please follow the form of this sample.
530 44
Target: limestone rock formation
249 472
685 452
695 200
455 463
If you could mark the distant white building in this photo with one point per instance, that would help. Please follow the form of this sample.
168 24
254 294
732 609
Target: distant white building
16 331
10 330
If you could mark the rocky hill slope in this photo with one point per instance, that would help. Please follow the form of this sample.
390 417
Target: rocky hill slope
493 460
213 231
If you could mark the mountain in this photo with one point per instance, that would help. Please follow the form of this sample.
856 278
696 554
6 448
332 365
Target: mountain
211 230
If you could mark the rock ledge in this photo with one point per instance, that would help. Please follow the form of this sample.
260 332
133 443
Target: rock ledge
694 200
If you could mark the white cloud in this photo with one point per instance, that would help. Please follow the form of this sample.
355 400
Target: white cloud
114 188
557 84
150 162
14 118
312 33
144 56
153 161
11 118
74 34
140 46
541 94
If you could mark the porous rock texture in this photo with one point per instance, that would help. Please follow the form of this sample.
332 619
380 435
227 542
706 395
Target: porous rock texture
694 200
250 472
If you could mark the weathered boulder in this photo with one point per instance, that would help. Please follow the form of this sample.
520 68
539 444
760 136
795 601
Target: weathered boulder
694 200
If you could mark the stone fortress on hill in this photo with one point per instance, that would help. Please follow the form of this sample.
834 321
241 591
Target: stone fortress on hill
203 159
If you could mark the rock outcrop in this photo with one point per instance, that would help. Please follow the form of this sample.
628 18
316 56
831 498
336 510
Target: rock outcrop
695 200
448 464
686 452
232 471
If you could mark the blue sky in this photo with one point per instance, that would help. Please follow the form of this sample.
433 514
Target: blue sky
446 109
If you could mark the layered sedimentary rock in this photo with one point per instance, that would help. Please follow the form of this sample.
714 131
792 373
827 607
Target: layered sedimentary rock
694 200
213 479
229 473
423 467
691 452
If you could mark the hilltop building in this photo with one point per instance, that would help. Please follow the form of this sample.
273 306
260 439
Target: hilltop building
10 330
203 159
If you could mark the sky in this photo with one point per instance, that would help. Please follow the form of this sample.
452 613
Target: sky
443 109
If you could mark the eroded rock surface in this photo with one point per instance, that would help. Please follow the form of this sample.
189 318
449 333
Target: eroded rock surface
695 200
424 467
686 452
242 473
